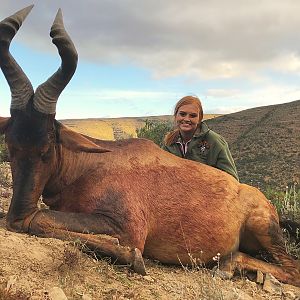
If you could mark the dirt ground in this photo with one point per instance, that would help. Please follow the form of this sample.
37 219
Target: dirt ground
30 267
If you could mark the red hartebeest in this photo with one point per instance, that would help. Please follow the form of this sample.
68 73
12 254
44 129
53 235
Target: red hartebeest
129 197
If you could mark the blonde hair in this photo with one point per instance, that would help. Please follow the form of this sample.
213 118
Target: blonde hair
172 136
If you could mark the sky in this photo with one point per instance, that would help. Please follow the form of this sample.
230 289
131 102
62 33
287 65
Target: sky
139 57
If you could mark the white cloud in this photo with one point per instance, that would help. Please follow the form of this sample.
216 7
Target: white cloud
222 39
216 102
288 63
115 103
222 93
226 109
209 47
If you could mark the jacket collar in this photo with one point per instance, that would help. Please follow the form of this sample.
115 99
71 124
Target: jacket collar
202 130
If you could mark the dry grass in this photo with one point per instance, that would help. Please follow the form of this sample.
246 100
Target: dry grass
91 127
71 257
8 292
82 272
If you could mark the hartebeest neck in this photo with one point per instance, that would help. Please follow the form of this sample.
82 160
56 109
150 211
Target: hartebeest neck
70 166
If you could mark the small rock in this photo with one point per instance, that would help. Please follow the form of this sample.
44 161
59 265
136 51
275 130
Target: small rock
253 284
289 295
236 294
216 272
259 277
272 285
6 194
57 293
148 278
11 282
291 292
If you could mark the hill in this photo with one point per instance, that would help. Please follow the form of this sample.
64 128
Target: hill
265 143
115 128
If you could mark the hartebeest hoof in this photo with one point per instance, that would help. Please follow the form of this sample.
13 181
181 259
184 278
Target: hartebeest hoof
138 262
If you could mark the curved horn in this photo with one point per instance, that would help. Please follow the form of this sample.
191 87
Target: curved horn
20 86
47 94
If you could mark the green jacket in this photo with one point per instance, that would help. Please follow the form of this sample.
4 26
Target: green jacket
206 147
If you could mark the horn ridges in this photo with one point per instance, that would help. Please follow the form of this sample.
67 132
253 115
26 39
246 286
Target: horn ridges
47 94
20 86
10 25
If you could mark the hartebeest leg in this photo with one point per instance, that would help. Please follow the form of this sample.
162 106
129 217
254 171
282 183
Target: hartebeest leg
90 230
266 230
242 261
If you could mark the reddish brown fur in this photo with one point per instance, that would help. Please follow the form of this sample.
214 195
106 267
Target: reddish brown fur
168 207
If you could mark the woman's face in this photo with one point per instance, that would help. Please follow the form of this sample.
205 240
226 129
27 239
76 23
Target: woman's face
187 118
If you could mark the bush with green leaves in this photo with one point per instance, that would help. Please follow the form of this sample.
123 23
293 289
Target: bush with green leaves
154 130
286 202
3 149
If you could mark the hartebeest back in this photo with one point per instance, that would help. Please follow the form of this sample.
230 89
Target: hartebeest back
129 197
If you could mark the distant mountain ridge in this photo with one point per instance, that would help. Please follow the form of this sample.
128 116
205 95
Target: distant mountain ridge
116 128
264 141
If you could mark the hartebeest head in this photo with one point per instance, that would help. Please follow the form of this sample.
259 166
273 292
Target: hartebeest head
32 134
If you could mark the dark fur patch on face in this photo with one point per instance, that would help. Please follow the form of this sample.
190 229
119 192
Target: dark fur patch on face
26 130
28 136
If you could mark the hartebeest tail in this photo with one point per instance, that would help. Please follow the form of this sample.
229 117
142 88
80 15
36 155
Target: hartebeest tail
127 197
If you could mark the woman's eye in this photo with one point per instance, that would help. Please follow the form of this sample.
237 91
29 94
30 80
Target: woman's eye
193 116
182 114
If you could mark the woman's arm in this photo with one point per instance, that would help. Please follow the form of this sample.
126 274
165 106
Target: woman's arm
226 163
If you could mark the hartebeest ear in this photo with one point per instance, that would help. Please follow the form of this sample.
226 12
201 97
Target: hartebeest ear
3 124
78 143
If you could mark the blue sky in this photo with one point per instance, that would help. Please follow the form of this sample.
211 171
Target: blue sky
137 58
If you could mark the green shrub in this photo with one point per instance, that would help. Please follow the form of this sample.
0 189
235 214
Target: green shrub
154 130
291 203
287 203
288 207
275 196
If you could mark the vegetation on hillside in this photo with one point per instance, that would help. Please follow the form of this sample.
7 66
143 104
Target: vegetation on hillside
154 130
265 143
